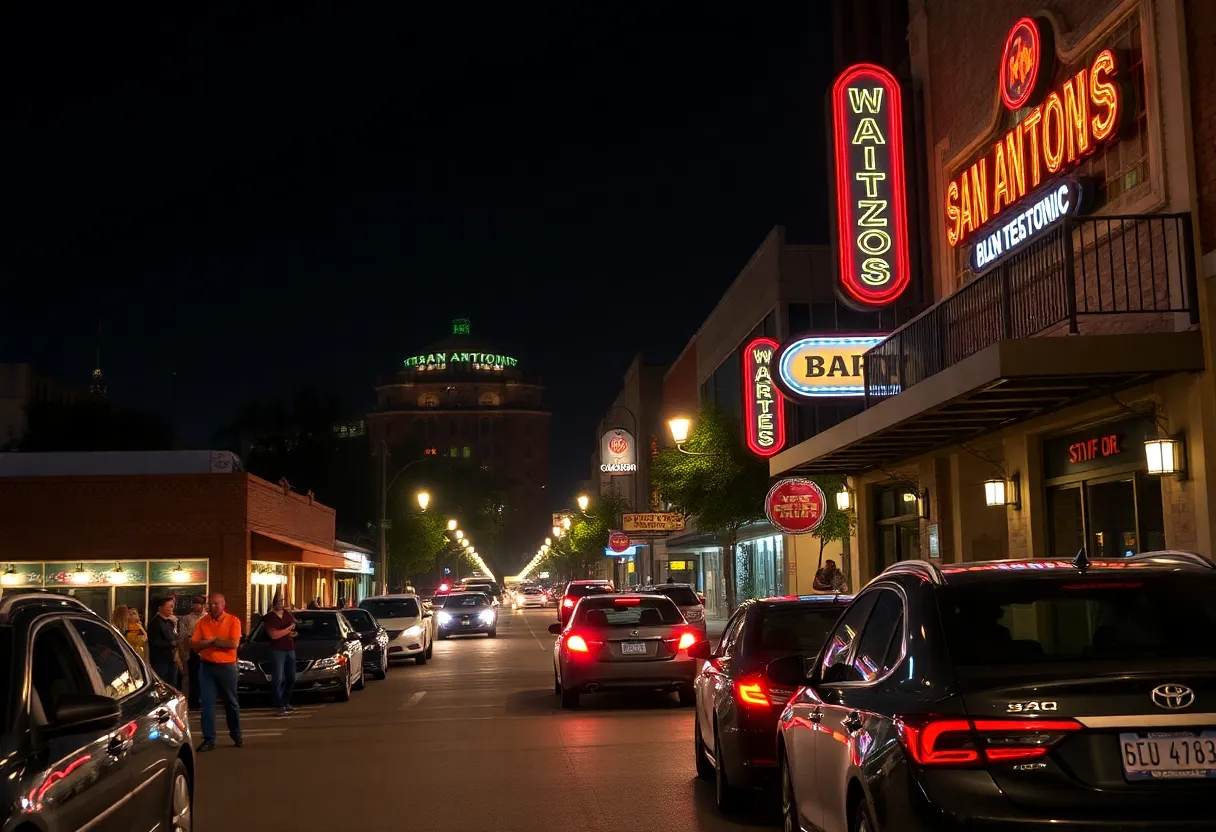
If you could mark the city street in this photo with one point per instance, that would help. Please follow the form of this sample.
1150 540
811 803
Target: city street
473 740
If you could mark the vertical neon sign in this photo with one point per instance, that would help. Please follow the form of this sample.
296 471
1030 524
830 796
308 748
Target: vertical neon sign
871 194
763 407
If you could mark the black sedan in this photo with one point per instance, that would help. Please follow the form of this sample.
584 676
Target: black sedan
329 657
465 613
375 641
93 739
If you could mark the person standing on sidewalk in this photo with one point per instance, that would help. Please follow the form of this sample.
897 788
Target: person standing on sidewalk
216 638
185 631
162 643
281 627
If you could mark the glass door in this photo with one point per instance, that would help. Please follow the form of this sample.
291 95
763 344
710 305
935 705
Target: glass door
1066 521
1112 528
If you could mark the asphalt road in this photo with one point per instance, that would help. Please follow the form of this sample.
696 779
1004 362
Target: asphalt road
474 740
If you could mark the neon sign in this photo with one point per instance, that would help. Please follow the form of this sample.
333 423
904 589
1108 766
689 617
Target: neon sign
475 360
871 218
1023 72
763 409
1043 212
1084 112
812 367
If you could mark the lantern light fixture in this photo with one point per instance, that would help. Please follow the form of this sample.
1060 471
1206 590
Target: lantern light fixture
1164 455
179 575
424 499
583 502
81 576
679 429
10 577
844 499
999 491
117 575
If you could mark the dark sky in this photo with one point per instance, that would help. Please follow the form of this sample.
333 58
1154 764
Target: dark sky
257 201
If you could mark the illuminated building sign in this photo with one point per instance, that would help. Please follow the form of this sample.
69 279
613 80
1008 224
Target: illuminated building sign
763 409
812 366
1040 213
472 360
1024 74
871 218
1053 137
618 453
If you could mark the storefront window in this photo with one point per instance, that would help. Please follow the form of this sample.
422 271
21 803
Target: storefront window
898 526
759 568
104 585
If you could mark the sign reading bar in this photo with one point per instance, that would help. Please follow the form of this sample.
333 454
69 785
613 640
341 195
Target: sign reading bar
812 366
618 452
796 506
871 197
1043 212
653 521
763 409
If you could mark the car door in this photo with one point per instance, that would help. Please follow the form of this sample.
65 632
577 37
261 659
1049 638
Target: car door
353 647
714 679
74 784
139 756
848 702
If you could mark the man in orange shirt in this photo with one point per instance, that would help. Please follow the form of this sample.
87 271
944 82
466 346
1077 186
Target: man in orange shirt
215 639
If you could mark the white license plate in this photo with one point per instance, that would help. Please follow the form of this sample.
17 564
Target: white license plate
1168 755
633 648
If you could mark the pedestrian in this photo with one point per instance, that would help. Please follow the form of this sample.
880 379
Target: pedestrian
314 604
671 579
281 627
162 643
216 637
185 631
829 578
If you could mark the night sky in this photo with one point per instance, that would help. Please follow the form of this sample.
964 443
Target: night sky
256 201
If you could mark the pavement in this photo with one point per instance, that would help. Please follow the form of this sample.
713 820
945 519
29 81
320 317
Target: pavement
474 740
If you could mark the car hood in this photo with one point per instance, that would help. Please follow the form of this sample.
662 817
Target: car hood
305 649
400 623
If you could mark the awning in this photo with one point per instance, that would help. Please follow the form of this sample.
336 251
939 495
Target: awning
278 548
1009 382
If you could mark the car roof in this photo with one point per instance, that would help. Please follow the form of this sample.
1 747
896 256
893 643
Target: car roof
618 598
825 600
593 581
14 605
390 596
964 574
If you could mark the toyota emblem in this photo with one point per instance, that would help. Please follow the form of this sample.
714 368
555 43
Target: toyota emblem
1173 697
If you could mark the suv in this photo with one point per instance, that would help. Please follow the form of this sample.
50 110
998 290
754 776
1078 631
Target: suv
92 736
686 598
576 590
1010 694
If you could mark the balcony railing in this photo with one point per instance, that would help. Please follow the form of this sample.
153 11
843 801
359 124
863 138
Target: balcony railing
1091 275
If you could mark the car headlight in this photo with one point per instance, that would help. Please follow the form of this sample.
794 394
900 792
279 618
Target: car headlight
243 666
327 663
413 631
488 616
445 618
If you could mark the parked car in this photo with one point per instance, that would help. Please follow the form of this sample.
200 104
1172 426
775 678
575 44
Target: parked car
408 624
329 657
576 590
735 730
624 642
375 641
529 597
93 739
468 613
692 607
1044 694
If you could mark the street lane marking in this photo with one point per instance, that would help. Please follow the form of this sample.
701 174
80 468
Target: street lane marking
413 700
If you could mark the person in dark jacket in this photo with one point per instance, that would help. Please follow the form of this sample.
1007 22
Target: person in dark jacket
162 642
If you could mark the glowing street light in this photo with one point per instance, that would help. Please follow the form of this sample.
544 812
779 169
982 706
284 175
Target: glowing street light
583 502
452 524
464 542
566 523
459 534
548 541
424 500
679 429
557 531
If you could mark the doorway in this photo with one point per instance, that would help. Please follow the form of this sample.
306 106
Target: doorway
1110 517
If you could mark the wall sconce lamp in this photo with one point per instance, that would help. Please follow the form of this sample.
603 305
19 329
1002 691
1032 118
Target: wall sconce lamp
844 499
1164 455
922 504
1004 492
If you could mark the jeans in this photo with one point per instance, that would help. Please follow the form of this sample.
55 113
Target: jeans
167 670
219 679
282 677
192 664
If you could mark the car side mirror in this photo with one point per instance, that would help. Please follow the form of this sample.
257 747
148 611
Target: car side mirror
788 671
699 650
79 712
556 629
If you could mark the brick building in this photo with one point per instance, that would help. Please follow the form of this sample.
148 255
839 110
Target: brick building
460 398
124 528
1021 415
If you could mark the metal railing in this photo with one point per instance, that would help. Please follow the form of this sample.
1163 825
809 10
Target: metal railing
1091 275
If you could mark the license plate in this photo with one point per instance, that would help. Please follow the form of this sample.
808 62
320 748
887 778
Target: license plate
1168 755
466 622
633 648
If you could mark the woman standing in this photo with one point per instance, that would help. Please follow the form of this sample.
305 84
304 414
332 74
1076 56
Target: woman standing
134 630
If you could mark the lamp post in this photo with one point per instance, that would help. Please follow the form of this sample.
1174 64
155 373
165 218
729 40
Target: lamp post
583 502
679 427
385 485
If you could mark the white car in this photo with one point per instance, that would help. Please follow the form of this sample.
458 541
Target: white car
407 623
530 597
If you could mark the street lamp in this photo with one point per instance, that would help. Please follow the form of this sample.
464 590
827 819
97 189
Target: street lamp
464 542
679 429
460 535
566 523
583 502
557 531
452 524
424 500
548 541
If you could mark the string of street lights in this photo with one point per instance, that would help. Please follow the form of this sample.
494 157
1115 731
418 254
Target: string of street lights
558 532
457 536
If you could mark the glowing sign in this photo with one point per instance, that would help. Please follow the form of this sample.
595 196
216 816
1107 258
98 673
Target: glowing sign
618 453
763 409
814 367
871 219
796 506
1024 75
473 360
1042 212
1054 136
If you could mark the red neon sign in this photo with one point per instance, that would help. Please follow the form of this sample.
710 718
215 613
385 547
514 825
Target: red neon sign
871 193
1022 63
763 407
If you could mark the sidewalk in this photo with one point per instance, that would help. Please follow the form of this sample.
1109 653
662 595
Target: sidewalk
714 628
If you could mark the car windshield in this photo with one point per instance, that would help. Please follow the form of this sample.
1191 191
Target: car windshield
580 590
682 595
488 589
359 619
530 590
466 600
391 607
308 628
1079 618
628 612
795 628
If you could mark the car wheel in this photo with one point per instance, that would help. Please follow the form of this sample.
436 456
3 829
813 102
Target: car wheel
493 633
569 698
420 658
704 770
430 649
726 796
362 683
382 673
181 800
789 805
863 819
343 694
688 697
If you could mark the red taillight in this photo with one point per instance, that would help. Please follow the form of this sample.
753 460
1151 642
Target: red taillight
577 644
750 690
687 640
960 743
568 603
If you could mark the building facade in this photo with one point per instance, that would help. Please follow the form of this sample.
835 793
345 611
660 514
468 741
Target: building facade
463 400
1071 190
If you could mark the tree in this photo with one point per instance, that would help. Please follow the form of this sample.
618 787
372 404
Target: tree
837 524
719 483
580 548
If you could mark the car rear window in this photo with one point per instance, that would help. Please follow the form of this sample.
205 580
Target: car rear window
795 628
646 612
581 590
391 607
359 619
1078 618
681 595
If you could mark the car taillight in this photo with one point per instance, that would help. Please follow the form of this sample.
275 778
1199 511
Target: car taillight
568 603
577 644
687 640
751 690
949 742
